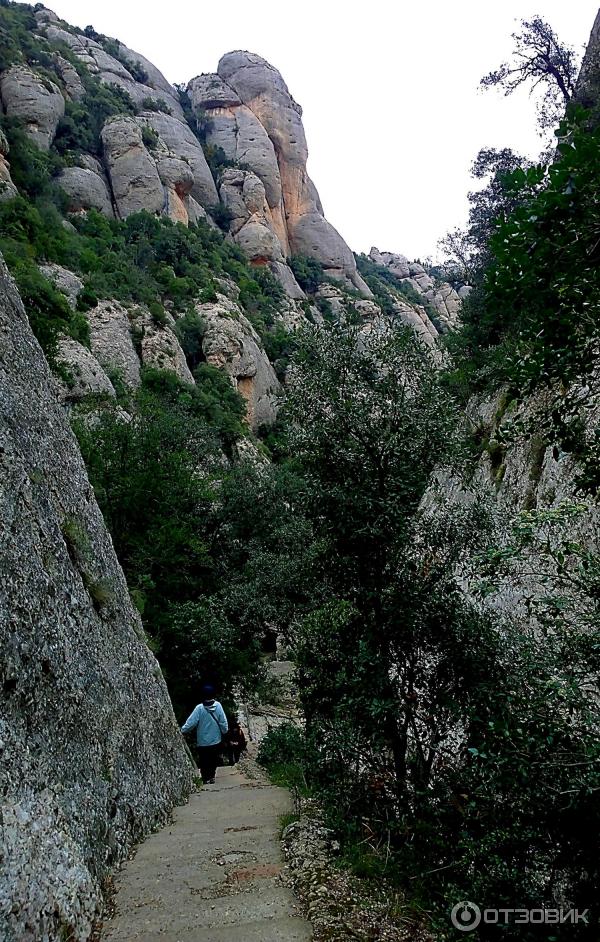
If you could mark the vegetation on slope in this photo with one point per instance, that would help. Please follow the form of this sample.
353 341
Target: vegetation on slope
451 753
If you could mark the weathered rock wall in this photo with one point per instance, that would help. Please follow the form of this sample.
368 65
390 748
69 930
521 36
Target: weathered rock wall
522 466
90 755
255 120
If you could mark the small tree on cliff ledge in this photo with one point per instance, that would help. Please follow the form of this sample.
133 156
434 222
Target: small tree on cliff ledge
540 60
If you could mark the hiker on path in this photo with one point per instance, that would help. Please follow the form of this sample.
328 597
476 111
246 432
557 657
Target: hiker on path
236 743
210 723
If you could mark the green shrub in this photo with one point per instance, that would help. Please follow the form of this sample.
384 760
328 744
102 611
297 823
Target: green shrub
283 753
155 104
190 330
532 322
222 215
150 138
307 271
79 129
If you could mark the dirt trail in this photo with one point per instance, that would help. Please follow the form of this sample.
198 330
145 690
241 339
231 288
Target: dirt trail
213 874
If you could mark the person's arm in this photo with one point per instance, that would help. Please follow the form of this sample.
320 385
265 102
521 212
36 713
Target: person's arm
242 738
222 719
192 720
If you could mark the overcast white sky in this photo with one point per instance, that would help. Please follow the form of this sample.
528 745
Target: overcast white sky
392 111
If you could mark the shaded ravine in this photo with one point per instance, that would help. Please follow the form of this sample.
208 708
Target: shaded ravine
214 873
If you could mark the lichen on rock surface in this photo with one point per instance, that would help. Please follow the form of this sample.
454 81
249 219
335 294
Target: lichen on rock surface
90 754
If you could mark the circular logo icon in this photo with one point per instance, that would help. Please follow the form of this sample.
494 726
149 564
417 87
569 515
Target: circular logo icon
465 916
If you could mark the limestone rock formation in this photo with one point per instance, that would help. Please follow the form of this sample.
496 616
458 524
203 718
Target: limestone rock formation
182 143
230 343
257 123
442 297
588 82
112 343
86 189
127 69
73 86
86 376
160 348
134 177
35 100
90 755
63 279
243 194
7 188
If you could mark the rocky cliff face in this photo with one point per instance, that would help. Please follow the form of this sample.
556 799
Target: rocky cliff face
255 120
588 82
248 112
90 755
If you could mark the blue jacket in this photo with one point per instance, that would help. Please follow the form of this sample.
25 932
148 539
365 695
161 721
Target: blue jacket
210 723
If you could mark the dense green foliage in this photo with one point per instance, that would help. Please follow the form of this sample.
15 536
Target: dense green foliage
460 749
143 258
307 271
532 320
157 480
79 129
18 42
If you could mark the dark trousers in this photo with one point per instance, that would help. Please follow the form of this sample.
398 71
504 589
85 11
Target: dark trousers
208 759
234 754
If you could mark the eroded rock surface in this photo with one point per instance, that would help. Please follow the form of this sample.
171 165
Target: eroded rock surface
442 297
230 343
86 376
255 120
35 100
133 173
86 189
112 343
7 188
90 755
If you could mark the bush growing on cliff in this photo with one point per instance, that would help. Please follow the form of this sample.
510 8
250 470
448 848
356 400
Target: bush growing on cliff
308 272
532 321
79 129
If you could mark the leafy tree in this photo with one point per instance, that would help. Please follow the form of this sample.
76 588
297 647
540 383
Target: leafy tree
367 424
468 250
530 321
541 60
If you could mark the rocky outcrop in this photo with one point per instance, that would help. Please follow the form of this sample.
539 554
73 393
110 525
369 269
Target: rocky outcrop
63 279
133 173
85 375
230 343
184 145
251 226
442 297
160 348
587 89
35 100
247 111
86 189
257 123
128 69
7 188
111 341
74 88
90 755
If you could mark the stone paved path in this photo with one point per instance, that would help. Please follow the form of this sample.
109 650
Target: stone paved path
213 875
